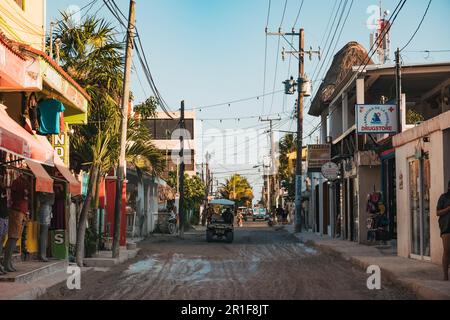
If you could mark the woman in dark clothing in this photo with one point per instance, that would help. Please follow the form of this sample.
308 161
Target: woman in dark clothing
443 212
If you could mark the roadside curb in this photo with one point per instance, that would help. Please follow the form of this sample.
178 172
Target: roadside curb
421 288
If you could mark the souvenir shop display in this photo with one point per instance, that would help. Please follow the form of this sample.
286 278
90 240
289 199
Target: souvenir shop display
377 221
51 116
3 217
46 200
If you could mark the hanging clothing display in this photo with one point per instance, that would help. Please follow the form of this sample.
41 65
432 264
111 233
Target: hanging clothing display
3 202
377 221
50 116
46 200
33 112
73 224
62 125
20 194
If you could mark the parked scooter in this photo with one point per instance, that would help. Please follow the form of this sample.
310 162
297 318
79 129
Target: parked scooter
172 223
270 221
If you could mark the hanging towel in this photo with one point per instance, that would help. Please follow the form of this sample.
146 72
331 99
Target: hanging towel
50 116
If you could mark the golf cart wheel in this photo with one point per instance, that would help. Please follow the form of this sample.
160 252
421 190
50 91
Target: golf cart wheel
172 228
230 237
209 236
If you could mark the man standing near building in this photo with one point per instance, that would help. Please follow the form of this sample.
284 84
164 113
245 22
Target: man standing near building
443 212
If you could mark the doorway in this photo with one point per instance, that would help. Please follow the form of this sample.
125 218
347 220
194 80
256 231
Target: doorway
326 208
419 189
317 210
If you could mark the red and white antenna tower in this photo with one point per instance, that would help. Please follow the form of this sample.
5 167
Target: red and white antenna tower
382 38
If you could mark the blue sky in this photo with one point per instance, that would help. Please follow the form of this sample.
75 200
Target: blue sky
212 51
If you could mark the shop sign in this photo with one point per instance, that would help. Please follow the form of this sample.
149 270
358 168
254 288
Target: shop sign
58 83
61 145
318 155
376 119
330 171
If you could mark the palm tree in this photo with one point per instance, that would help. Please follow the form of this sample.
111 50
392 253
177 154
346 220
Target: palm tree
238 189
92 55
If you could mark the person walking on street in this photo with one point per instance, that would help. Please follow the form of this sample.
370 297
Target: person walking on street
443 212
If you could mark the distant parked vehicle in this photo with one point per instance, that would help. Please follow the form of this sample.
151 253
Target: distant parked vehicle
259 214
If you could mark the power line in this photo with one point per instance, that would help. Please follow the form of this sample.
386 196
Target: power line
118 14
298 14
332 40
229 103
391 21
418 27
73 13
265 58
277 56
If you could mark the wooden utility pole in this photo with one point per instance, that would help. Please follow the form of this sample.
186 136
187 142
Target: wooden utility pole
124 129
272 162
301 94
398 82
182 169
52 25
298 166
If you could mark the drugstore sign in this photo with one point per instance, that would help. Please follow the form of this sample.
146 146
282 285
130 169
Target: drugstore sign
377 118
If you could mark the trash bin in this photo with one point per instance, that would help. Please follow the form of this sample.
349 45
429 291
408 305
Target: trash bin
59 246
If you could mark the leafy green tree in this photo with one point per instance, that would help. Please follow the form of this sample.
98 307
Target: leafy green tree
92 55
237 189
147 109
287 145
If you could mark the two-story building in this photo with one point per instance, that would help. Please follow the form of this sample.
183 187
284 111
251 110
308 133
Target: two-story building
409 168
166 138
29 77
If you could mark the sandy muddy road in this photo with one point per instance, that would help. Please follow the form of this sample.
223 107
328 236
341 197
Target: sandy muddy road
262 263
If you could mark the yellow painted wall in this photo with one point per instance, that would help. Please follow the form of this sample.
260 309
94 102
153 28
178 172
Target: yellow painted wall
24 24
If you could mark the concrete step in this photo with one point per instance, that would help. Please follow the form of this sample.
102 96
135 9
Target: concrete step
29 271
104 260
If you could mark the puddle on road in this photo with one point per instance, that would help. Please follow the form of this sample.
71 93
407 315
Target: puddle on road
307 249
150 264
194 269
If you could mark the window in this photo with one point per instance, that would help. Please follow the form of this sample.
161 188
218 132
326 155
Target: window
162 129
21 3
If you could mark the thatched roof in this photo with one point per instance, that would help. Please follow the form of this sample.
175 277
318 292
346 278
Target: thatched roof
352 54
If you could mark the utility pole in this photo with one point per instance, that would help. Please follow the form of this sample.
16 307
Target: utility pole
301 89
52 25
398 78
182 167
124 129
272 160
298 169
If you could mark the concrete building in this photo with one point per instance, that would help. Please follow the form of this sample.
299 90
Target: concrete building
24 21
27 76
165 134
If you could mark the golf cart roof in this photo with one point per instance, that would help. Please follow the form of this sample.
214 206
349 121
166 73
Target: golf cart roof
222 202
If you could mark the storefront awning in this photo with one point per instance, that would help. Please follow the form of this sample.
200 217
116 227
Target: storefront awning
17 73
74 184
16 140
44 183
24 68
